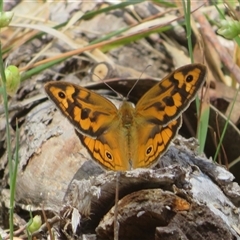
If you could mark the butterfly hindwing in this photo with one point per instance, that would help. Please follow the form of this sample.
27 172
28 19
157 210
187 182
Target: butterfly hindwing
154 142
109 150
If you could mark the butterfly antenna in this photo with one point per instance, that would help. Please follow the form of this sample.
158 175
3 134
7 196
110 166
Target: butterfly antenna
117 93
137 81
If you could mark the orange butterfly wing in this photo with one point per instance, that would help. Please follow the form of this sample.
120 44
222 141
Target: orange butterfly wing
172 95
153 142
90 113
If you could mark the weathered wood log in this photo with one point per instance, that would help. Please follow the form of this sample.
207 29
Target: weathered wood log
189 197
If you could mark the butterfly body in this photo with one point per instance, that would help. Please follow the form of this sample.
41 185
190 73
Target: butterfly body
129 137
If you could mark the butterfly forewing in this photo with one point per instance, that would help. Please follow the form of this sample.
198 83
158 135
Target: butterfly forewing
90 113
172 95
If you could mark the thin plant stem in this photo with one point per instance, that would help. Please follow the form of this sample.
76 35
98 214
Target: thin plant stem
9 150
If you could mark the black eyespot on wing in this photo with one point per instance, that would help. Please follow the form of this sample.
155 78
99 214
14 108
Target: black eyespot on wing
109 155
62 95
189 78
149 150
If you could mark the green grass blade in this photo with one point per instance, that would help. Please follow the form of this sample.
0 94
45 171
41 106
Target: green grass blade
132 38
164 3
225 126
187 14
91 14
204 117
9 150
203 125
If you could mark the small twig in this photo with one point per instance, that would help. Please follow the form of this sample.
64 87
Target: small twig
17 232
47 224
116 223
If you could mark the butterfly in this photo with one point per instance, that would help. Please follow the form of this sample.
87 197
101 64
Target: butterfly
129 137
